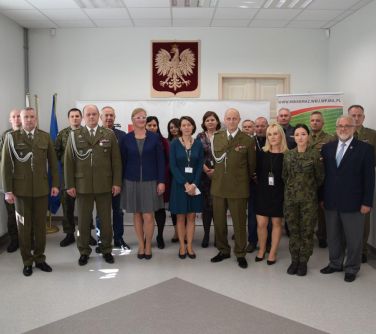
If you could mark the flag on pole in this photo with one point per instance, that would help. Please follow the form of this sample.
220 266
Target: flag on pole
27 100
54 202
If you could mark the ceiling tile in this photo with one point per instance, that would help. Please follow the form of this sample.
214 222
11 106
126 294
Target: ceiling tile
65 14
75 23
113 23
277 14
24 14
14 4
318 15
42 24
230 23
152 23
190 23
268 23
147 3
237 3
332 4
307 24
234 13
107 13
192 13
152 13
53 4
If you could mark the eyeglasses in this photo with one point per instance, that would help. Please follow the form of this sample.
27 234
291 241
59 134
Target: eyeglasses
344 127
140 118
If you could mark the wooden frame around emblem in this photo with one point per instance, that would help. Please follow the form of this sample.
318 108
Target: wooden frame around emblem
175 68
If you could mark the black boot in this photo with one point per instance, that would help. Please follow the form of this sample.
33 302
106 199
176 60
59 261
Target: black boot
69 239
293 268
302 269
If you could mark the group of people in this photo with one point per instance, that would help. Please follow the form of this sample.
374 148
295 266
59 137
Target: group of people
298 175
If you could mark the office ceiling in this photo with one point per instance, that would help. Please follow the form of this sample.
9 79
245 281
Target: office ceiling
302 14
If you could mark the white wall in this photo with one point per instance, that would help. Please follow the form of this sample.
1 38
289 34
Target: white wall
11 69
114 64
352 60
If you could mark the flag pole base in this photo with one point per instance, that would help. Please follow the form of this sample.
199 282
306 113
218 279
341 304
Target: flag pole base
50 228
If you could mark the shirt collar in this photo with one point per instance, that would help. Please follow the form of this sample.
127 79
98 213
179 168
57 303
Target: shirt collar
95 129
232 134
347 142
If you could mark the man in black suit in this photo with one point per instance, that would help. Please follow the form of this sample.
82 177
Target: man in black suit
348 196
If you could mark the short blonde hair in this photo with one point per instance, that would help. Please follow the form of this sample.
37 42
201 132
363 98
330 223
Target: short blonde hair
138 110
271 127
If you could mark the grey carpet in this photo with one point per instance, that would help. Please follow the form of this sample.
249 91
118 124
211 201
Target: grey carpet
175 306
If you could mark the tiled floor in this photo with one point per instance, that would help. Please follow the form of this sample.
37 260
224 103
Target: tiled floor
324 302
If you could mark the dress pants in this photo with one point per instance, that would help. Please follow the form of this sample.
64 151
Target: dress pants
31 215
345 228
68 203
367 221
237 207
85 204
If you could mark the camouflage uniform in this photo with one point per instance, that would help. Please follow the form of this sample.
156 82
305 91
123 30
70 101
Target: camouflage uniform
316 141
302 173
11 211
66 200
368 136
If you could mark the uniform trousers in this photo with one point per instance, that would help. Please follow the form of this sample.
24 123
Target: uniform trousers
345 228
68 210
321 225
238 208
85 205
31 215
302 217
12 224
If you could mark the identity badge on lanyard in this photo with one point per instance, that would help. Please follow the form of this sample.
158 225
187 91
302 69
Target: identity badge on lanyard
188 169
271 179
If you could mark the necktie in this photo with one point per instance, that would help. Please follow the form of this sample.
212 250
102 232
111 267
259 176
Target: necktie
340 153
91 133
230 137
30 136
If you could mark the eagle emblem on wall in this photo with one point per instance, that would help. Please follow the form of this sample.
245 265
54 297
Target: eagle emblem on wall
175 66
175 69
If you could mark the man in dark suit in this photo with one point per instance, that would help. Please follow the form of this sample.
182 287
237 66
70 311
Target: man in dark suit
283 119
348 196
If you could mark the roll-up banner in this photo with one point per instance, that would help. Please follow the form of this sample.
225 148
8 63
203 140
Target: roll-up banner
302 105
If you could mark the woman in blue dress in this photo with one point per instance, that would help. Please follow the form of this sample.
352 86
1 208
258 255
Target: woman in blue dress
186 162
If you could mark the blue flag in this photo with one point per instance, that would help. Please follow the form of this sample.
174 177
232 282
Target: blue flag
54 202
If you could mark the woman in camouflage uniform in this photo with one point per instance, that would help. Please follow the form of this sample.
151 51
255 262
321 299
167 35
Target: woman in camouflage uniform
303 173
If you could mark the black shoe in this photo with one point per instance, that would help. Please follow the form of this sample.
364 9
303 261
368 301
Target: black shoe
242 262
205 241
108 258
83 260
27 270
148 256
191 255
43 266
140 256
250 248
293 268
160 242
259 259
350 277
364 258
121 244
220 257
98 249
271 262
323 243
174 240
68 240
302 269
182 256
13 246
92 241
329 270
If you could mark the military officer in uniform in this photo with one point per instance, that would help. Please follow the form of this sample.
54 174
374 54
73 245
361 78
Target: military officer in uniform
366 135
235 162
92 167
317 138
15 121
24 170
68 202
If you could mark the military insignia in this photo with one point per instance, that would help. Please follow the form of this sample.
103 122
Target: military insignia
239 148
104 142
81 152
21 154
79 136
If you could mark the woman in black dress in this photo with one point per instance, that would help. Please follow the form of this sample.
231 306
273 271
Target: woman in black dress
269 191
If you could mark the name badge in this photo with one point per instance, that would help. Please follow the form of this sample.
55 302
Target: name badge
188 170
271 179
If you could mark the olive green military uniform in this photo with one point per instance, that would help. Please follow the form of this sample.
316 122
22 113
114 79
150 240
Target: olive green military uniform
28 181
230 188
93 166
303 173
67 201
12 224
316 141
368 136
